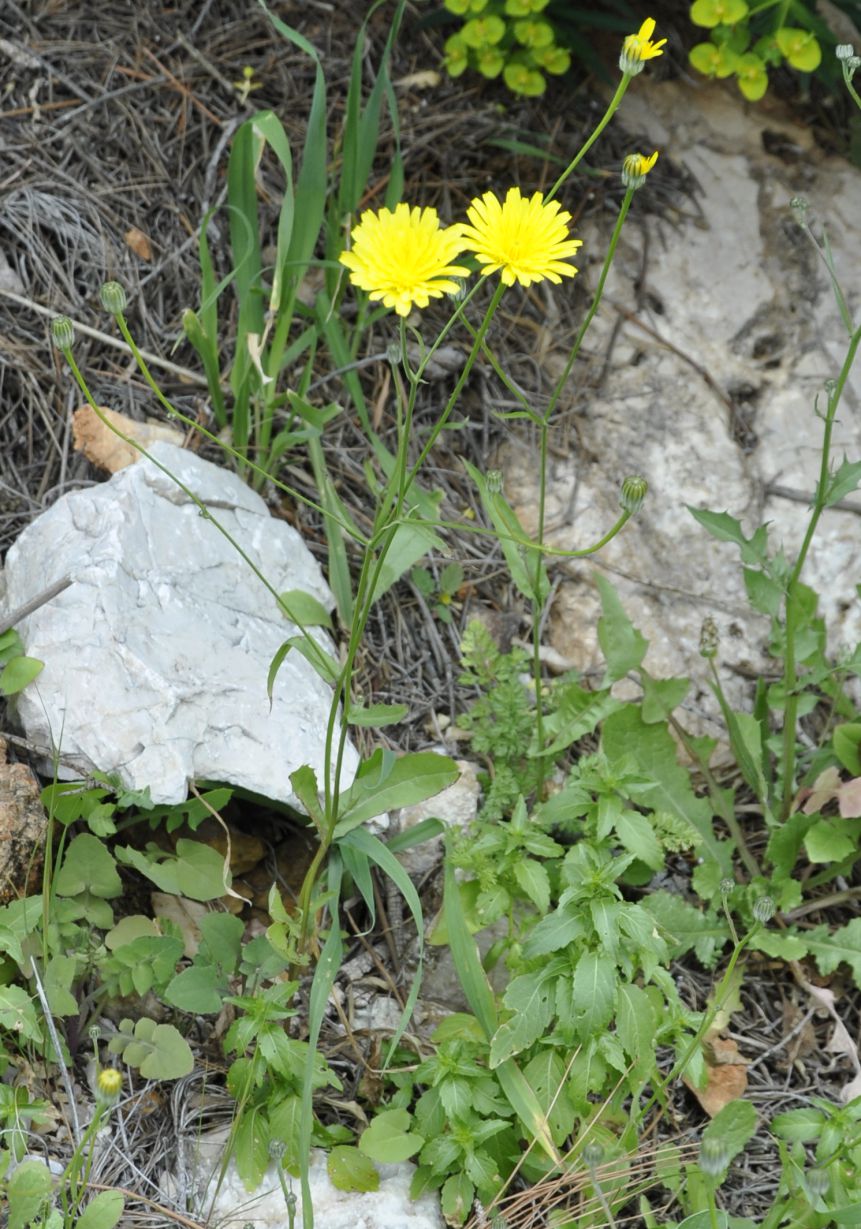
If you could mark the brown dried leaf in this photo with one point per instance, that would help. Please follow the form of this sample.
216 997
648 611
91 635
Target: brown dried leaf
849 798
104 448
185 913
727 1074
825 788
139 243
22 829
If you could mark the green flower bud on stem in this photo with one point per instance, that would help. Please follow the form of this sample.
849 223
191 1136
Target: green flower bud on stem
818 1183
113 298
634 491
763 909
493 479
593 1154
714 1156
709 638
62 332
844 51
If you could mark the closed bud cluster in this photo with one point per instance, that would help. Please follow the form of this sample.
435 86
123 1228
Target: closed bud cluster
634 491
113 298
714 1156
62 332
800 206
763 909
277 1148
709 638
844 51
726 886
493 480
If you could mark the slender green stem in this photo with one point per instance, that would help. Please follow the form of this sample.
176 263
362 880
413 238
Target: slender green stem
602 124
538 604
793 611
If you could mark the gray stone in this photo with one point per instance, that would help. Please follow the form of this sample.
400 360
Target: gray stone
709 392
156 657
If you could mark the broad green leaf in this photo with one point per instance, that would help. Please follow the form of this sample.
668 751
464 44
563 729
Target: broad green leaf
801 1125
733 1126
388 1138
635 1027
525 563
531 997
534 882
127 929
196 871
102 1212
545 1074
831 840
251 1146
198 990
351 1170
638 837
628 742
456 1198
304 782
88 867
577 712
159 1051
846 741
60 972
221 940
28 1190
386 782
303 609
594 992
763 592
284 1121
661 696
411 541
623 646
561 927
17 673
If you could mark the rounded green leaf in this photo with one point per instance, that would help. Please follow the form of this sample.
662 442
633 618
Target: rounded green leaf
17 673
483 32
350 1170
800 48
388 1138
103 1212
711 13
752 77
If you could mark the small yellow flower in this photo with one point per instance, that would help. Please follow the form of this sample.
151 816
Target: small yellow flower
404 257
525 239
637 48
636 167
109 1083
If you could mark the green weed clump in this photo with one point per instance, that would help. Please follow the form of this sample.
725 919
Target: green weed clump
511 39
561 1078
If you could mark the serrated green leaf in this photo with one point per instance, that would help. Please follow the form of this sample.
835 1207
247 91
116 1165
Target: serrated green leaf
733 1126
251 1146
829 950
686 927
28 1190
456 1198
623 646
661 696
545 1075
534 882
561 927
594 992
531 997
727 529
351 1170
763 592
637 836
635 1027
843 482
846 741
831 840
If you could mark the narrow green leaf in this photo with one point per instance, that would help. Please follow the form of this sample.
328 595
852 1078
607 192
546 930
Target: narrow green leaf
303 609
623 646
386 782
376 715
843 482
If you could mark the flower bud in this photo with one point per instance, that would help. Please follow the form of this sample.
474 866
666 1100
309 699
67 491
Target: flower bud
62 332
593 1154
726 886
709 638
714 1156
636 167
800 207
109 1084
844 51
393 353
94 1032
763 909
634 491
493 481
277 1148
113 298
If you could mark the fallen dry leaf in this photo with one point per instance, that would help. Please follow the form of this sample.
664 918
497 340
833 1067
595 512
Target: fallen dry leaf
139 243
104 448
185 913
849 798
22 829
727 1074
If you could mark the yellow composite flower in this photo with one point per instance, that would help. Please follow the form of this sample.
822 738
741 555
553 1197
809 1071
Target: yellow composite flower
109 1083
524 238
636 167
637 48
404 258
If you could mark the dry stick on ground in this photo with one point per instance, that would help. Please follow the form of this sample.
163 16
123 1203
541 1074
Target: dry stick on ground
14 617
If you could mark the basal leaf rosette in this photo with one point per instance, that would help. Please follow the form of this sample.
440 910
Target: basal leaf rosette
524 239
404 258
522 77
711 13
800 48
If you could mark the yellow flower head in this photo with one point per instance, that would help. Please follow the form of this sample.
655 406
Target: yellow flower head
404 258
109 1083
637 48
636 167
524 238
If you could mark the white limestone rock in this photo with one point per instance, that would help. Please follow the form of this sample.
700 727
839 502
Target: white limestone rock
156 657
389 1207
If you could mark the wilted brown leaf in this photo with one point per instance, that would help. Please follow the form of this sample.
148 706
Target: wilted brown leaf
727 1074
139 243
104 448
